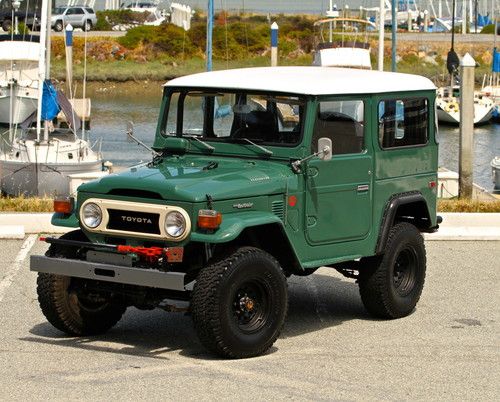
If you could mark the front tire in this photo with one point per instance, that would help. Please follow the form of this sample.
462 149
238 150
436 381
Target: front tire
239 303
73 313
390 285
70 308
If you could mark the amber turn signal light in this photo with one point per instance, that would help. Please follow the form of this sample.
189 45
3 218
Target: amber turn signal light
209 219
63 205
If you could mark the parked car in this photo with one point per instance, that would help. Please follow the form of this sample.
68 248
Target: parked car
28 14
78 17
258 174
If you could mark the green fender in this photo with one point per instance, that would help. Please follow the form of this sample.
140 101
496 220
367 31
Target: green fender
65 220
233 224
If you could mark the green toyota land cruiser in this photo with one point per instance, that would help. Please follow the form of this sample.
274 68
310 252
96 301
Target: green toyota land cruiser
257 174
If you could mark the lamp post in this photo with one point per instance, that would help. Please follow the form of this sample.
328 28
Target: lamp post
15 6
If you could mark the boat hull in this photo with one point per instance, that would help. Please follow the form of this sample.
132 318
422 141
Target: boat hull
481 116
24 104
40 179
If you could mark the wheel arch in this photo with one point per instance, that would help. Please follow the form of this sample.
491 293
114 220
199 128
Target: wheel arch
269 237
408 207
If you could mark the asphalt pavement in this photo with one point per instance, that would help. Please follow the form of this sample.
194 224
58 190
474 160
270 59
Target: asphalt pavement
330 349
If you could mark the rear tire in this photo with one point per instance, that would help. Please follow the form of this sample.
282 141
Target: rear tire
390 285
6 25
239 303
87 26
72 310
58 26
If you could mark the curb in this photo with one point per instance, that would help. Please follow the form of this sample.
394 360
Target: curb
455 226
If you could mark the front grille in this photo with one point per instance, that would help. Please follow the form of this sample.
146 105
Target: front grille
131 221
278 209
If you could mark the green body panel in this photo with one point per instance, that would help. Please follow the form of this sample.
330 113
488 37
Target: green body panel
234 224
339 204
65 220
183 178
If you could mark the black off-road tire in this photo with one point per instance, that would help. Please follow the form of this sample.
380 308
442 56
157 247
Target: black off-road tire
58 26
65 309
239 303
391 284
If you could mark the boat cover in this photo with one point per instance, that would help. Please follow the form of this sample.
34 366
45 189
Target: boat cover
495 66
50 107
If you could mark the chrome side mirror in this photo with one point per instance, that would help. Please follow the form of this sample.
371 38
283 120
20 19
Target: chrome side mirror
325 149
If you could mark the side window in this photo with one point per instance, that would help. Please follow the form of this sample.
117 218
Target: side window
403 122
343 123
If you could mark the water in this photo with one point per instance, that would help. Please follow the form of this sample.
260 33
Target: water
111 112
305 7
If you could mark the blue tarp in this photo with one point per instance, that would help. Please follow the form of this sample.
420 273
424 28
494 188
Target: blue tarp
495 66
50 107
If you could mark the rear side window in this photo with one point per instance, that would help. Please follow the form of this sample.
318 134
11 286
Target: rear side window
89 10
403 122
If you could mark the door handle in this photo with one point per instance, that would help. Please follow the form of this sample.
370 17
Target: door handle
363 188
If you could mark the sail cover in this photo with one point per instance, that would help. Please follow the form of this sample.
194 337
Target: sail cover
495 66
50 107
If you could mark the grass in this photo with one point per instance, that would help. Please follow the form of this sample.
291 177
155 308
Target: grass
22 204
458 205
158 70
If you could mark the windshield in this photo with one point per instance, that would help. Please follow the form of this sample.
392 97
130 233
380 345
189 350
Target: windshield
235 117
59 10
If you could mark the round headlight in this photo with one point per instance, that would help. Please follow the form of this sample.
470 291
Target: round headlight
91 215
175 224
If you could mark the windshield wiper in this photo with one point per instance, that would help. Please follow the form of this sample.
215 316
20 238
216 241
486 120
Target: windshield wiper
194 137
267 151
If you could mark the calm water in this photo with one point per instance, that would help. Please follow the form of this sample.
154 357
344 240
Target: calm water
110 114
296 6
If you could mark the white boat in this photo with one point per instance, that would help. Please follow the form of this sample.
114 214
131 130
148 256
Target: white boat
448 107
18 80
346 53
33 168
37 161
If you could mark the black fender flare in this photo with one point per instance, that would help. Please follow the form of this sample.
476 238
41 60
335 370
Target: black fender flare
391 208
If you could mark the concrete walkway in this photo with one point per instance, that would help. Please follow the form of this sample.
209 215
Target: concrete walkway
455 226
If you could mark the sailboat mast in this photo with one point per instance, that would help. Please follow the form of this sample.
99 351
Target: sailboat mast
210 22
42 64
47 59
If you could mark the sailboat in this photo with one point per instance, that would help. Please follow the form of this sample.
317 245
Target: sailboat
42 159
448 97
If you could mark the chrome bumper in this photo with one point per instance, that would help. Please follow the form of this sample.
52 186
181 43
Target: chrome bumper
110 273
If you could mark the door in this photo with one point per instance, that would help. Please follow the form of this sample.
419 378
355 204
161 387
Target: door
339 191
74 16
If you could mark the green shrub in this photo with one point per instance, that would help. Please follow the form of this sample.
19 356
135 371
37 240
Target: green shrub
135 36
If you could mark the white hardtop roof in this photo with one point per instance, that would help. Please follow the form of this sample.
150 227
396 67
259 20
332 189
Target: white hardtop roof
306 80
19 50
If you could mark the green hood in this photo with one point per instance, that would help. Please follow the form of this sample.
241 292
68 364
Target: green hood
190 178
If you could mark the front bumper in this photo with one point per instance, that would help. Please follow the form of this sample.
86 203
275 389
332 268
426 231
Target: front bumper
110 273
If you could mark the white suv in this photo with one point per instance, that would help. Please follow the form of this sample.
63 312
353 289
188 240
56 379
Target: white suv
78 17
